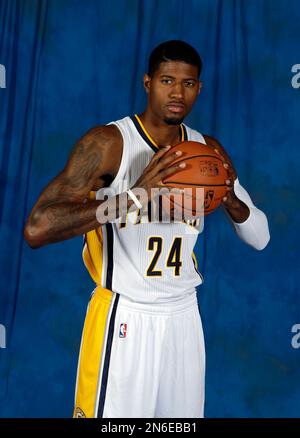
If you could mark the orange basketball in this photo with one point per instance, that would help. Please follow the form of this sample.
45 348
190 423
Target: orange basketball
204 169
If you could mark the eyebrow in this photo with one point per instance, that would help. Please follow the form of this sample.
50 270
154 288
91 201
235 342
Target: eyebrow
172 77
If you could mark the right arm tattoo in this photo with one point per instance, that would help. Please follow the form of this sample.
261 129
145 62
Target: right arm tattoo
64 209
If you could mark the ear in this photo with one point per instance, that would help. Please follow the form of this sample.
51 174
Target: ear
199 86
147 81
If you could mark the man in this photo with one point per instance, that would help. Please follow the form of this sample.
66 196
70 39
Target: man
142 350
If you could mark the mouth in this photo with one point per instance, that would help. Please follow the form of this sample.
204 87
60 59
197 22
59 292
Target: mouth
176 107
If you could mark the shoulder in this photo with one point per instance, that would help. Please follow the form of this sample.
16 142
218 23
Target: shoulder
193 134
107 138
212 141
104 144
104 135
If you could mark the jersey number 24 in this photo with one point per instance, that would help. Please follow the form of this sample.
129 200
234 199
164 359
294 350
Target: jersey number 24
173 259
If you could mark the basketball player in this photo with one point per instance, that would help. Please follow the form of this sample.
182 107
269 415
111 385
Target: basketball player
142 350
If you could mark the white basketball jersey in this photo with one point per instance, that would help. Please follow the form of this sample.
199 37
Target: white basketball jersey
147 262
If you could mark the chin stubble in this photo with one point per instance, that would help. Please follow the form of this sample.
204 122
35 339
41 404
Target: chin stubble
172 121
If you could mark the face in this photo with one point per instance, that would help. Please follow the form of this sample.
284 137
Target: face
172 91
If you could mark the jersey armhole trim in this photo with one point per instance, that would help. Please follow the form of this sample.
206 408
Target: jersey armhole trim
123 159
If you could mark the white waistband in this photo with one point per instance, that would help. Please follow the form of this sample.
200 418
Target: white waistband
187 302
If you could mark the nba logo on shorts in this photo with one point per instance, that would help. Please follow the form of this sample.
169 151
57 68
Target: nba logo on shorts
123 330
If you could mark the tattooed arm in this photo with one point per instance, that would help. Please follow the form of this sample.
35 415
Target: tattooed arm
64 209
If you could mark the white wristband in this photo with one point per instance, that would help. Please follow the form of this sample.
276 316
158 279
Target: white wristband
135 199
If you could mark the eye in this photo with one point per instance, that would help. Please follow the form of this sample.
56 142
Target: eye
190 84
166 81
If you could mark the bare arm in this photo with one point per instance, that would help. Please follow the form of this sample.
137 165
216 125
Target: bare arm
64 209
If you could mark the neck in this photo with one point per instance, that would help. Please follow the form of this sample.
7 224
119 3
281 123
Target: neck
162 134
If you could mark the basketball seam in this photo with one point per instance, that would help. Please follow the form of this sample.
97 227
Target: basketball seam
195 156
192 184
188 210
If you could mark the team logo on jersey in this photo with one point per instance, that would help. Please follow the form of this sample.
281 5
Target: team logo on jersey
79 413
123 330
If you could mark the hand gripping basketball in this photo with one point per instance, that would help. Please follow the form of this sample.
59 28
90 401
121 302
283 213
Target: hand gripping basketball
160 167
204 170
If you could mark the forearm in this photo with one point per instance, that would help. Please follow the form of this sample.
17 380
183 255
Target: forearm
64 220
240 213
254 229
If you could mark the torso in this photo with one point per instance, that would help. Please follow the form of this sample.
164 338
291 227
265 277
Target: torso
145 261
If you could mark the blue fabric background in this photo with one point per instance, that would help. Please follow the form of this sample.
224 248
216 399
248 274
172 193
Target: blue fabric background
74 64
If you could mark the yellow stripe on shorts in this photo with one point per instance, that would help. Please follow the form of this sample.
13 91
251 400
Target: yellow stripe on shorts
92 354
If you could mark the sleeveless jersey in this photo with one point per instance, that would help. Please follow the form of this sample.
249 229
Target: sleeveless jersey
148 262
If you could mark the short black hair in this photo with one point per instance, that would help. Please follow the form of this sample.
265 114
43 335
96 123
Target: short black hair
173 50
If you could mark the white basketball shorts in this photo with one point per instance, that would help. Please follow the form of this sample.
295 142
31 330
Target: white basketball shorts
140 360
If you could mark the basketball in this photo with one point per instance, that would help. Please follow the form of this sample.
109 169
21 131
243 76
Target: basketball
204 169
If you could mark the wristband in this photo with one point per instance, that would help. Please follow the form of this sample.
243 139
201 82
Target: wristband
134 199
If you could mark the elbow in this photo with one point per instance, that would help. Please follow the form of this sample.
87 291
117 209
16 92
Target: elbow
255 230
262 232
34 235
262 243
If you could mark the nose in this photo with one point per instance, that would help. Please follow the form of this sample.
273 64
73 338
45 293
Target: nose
177 90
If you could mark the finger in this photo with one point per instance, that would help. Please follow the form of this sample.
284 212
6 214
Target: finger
227 198
161 152
158 155
228 167
219 153
230 171
166 161
227 164
173 191
163 164
171 169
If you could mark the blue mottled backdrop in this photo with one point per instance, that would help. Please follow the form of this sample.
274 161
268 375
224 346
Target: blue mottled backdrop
72 64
